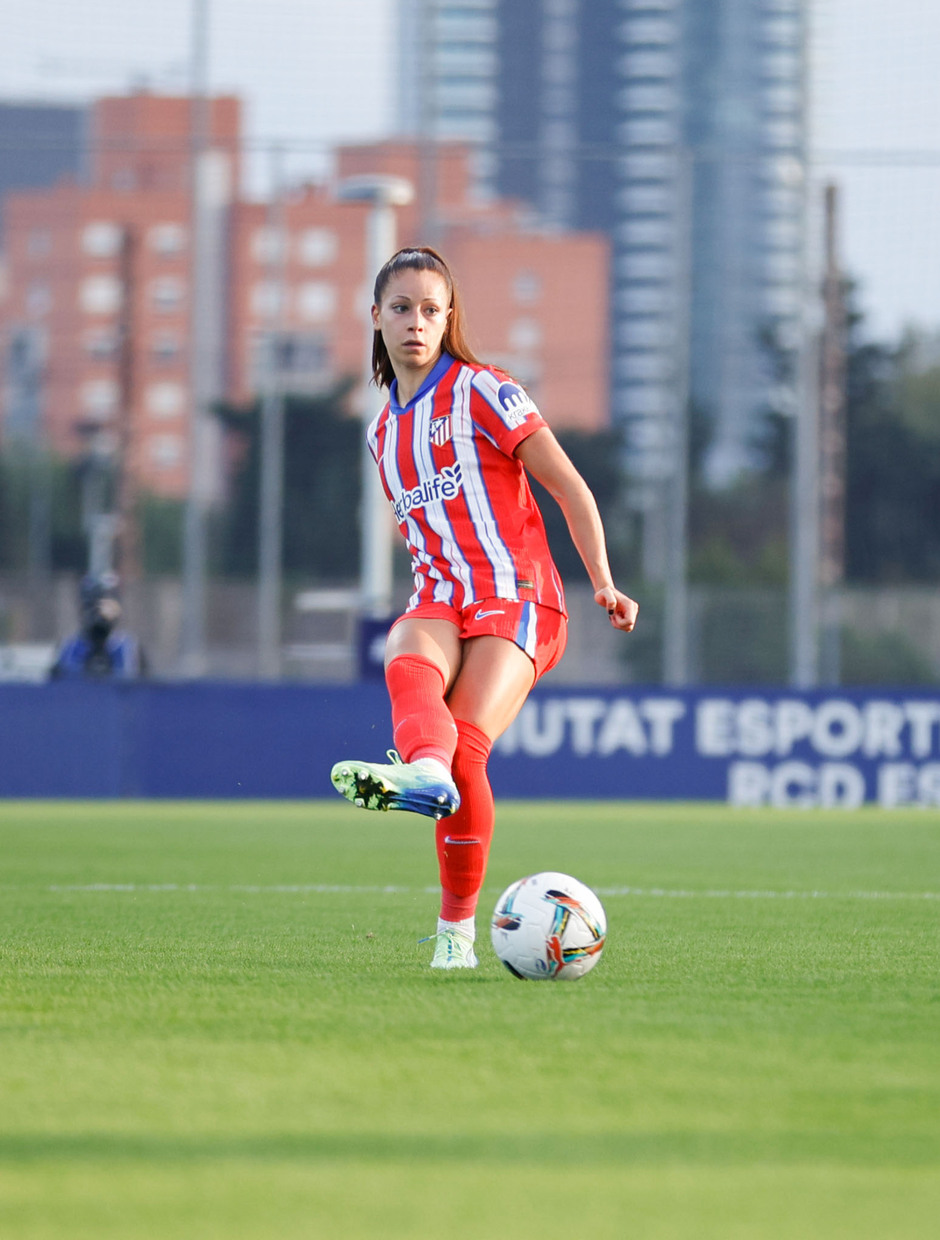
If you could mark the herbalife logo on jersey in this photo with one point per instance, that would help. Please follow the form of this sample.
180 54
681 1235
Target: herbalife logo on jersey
444 485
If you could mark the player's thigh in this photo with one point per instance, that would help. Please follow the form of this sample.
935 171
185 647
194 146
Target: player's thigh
494 681
437 640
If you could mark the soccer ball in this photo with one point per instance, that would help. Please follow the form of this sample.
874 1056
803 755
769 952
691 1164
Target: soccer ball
548 926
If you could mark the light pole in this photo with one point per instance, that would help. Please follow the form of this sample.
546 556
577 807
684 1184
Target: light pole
804 474
676 598
193 634
383 194
271 498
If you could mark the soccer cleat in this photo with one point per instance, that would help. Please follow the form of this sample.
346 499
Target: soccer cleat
453 950
423 787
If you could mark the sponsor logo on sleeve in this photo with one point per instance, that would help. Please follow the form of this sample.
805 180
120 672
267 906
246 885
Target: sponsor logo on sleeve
515 403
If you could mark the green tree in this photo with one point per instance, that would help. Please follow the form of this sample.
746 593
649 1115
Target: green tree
598 456
883 658
738 533
162 522
892 467
322 484
41 512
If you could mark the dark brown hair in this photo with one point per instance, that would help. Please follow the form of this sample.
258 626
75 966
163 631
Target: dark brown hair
420 258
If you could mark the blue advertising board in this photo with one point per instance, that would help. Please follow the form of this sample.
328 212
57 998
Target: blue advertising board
775 747
833 749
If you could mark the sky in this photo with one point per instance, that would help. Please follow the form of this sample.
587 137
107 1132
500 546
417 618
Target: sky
875 104
309 72
316 72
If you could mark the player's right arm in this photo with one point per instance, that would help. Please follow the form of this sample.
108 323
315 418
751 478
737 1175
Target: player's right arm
547 462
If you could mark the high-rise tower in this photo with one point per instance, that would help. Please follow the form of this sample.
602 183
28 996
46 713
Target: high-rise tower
676 126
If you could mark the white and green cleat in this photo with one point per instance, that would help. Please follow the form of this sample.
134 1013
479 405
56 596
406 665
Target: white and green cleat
453 950
422 787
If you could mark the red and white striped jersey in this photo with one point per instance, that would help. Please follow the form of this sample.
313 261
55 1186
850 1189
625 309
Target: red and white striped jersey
461 499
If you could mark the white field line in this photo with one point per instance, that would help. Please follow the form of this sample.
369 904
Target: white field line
661 893
247 888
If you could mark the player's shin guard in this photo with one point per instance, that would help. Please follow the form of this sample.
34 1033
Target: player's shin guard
463 840
422 726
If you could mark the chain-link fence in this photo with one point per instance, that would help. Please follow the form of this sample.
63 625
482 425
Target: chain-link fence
141 332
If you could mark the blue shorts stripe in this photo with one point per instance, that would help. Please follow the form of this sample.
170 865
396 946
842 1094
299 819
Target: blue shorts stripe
526 631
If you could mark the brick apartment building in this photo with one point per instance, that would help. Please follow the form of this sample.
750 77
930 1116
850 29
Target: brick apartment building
97 310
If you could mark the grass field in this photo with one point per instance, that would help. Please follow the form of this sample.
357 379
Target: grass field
215 1021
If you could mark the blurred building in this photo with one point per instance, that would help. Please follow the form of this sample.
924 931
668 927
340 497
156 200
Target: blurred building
534 301
678 128
41 144
99 282
97 318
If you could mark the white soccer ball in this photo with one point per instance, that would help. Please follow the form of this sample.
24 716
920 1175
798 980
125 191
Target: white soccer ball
549 927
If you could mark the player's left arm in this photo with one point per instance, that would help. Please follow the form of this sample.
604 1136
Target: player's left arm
547 462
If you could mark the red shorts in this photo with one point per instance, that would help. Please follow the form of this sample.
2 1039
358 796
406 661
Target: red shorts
540 631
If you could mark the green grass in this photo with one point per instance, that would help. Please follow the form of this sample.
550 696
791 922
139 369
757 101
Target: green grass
203 1035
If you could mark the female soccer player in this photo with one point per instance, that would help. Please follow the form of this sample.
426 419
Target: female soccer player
487 616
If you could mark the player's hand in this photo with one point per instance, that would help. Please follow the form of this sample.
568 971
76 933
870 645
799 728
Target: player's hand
621 609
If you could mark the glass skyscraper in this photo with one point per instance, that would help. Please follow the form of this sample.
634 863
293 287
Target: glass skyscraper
678 128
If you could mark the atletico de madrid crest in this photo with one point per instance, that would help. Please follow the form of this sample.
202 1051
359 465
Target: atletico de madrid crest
440 431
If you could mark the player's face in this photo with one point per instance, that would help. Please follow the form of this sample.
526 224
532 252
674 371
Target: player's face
412 319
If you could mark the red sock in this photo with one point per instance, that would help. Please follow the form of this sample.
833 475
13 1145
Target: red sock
422 726
463 840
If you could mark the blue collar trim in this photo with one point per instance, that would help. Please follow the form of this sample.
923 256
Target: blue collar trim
441 366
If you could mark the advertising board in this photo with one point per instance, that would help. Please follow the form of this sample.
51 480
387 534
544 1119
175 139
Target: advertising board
835 750
839 749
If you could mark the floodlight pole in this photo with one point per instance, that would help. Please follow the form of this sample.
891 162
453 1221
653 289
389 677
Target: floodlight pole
676 600
193 635
271 497
804 477
804 457
383 194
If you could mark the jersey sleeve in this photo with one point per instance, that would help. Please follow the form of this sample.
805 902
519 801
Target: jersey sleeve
372 433
504 411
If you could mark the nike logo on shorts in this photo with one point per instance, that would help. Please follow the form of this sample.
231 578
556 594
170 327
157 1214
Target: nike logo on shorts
480 614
